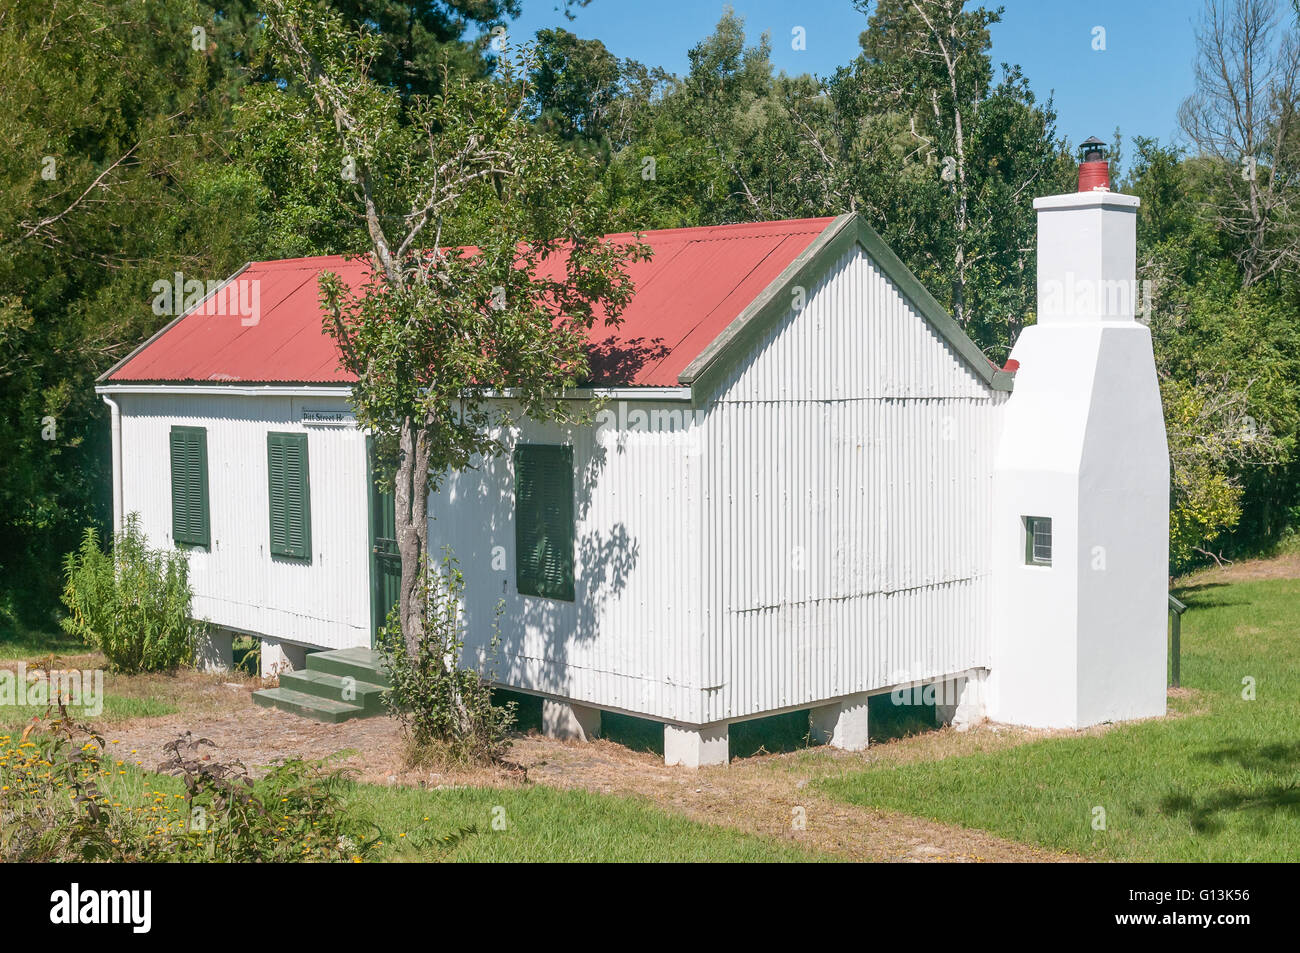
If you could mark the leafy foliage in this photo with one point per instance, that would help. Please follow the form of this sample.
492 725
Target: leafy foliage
1229 363
426 344
132 604
297 812
114 175
62 800
463 206
446 711
50 799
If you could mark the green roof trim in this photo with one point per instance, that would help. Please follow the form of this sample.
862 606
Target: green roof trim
774 302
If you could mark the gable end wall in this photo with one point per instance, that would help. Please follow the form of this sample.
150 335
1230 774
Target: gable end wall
847 481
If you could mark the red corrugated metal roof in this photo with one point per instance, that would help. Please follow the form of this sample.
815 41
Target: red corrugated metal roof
698 281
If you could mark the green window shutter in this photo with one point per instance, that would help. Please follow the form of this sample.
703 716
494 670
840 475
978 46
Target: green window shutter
189 466
544 525
289 494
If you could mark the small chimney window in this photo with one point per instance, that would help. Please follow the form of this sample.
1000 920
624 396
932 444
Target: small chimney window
1038 540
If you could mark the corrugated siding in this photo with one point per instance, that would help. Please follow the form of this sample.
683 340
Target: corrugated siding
237 583
631 638
848 473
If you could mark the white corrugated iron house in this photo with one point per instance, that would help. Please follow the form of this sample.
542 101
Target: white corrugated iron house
807 486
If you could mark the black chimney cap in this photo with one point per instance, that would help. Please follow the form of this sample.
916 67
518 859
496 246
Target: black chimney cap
1092 149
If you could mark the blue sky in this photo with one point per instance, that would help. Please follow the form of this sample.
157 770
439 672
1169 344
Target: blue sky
1136 83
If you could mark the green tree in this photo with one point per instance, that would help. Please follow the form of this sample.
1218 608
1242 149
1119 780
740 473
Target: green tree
574 85
940 157
1229 363
724 143
114 176
438 327
418 44
949 160
1244 117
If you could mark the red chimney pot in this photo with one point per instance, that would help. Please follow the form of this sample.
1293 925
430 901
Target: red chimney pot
1094 166
1094 176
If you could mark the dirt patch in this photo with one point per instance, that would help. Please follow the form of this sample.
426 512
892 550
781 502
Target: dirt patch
256 736
1285 566
193 693
84 660
767 795
770 795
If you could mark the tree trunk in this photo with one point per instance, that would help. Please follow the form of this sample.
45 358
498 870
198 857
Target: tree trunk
411 509
959 134
963 219
410 505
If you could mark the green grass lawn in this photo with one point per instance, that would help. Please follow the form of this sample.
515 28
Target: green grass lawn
29 644
116 708
34 647
545 824
1222 784
534 823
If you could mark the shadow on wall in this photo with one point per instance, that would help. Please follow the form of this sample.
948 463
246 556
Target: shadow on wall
604 561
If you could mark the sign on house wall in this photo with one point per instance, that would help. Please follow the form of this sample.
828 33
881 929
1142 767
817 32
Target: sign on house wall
328 418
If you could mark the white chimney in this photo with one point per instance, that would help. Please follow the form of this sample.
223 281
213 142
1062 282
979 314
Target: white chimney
1081 486
1087 257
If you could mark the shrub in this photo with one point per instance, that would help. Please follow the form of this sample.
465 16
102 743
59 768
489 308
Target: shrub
132 605
298 812
446 711
51 805
60 801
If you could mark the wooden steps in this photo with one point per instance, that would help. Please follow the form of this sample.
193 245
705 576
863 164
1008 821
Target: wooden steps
335 686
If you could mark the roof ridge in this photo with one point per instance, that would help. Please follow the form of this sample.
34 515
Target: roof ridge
785 226
788 226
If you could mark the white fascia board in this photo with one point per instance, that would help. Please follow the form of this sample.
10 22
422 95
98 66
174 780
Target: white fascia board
345 390
226 390
607 393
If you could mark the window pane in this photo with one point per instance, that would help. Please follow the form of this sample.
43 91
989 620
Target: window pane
1038 540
